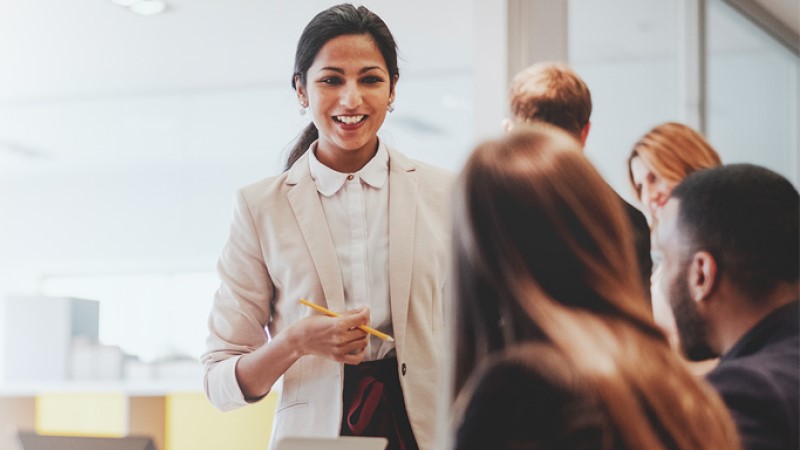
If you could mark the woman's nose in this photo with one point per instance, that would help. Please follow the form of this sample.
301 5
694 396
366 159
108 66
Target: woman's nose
350 96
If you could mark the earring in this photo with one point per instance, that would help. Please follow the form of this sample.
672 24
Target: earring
390 108
303 105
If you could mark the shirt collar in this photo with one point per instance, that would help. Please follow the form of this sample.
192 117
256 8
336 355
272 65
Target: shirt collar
329 181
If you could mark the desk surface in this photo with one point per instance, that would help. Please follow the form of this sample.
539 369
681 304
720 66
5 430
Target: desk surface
131 389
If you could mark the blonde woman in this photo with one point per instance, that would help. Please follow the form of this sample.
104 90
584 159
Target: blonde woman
662 158
659 161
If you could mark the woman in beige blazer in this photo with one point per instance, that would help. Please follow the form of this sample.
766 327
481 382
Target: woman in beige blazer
351 225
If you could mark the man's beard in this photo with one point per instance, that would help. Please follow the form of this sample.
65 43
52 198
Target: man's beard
692 329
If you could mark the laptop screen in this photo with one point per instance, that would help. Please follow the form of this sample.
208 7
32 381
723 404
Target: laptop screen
332 443
32 441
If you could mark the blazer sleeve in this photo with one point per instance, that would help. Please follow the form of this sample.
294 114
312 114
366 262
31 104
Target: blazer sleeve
240 311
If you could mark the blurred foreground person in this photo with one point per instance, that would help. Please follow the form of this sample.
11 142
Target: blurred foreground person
554 346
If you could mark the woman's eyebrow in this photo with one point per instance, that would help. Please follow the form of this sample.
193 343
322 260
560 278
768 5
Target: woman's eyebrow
363 70
367 69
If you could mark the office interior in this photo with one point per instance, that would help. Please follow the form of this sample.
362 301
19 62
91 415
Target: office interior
124 136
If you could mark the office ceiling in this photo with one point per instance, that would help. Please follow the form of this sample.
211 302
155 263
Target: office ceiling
87 83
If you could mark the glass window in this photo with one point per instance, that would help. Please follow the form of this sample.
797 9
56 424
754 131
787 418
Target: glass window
156 316
752 93
626 52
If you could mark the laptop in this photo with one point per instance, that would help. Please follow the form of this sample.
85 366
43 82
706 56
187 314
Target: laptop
332 443
29 440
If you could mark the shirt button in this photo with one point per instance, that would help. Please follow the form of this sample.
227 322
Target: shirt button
403 369
350 177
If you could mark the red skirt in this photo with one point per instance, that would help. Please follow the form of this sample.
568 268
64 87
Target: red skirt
373 404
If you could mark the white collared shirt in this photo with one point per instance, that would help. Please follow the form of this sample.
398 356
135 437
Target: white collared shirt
356 206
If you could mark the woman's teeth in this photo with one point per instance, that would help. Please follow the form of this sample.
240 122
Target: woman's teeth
349 119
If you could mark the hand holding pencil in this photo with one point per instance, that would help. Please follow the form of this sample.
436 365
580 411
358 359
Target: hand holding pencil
330 313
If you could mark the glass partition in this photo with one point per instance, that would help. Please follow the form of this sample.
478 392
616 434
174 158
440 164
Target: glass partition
752 93
626 52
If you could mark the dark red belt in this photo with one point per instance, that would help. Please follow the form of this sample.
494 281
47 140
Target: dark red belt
373 404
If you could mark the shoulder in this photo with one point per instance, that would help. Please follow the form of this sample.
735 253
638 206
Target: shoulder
532 383
761 392
264 190
741 377
635 215
400 162
775 369
431 177
267 197
774 357
435 179
493 404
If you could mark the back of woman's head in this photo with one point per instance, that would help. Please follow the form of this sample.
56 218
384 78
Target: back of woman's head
339 20
673 150
532 213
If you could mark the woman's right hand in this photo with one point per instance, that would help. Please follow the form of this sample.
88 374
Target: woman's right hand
336 338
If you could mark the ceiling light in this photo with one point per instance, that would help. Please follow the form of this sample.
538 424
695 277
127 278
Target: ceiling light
148 7
142 7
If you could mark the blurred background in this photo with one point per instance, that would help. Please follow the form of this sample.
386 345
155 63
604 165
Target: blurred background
126 126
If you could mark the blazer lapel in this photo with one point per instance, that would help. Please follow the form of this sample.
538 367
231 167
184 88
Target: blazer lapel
403 192
307 208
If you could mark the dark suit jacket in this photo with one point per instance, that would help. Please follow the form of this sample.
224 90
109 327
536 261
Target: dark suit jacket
759 378
641 237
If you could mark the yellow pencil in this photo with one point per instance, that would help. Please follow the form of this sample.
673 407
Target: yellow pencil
364 328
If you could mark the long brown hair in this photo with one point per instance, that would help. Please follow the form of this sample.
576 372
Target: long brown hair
544 253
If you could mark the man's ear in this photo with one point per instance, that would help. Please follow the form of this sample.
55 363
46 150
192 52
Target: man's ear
702 276
585 133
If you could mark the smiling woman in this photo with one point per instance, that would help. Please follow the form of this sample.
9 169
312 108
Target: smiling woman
370 52
349 91
343 227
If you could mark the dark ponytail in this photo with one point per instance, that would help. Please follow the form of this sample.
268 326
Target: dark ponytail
301 144
337 21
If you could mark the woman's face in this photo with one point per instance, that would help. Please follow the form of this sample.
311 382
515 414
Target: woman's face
348 88
653 189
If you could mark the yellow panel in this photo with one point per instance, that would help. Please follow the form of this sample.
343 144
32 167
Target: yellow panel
82 414
193 424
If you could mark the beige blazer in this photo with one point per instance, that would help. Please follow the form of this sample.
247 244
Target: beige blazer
280 250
